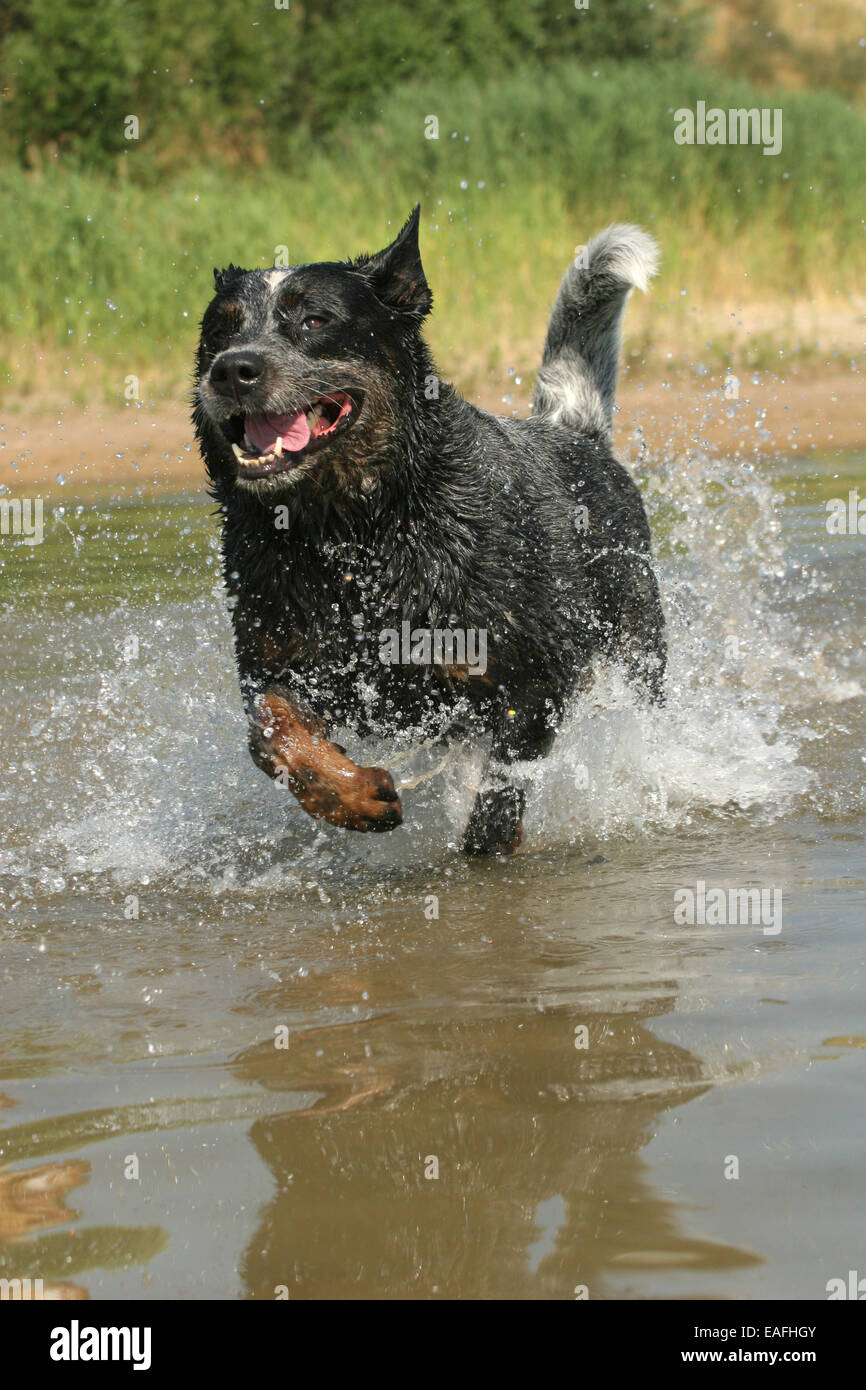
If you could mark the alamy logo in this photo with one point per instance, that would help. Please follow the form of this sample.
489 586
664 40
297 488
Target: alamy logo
438 646
717 907
22 516
846 518
76 1343
738 126
855 1288
21 1290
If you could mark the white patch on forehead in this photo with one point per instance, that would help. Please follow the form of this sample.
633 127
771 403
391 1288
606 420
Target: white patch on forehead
273 277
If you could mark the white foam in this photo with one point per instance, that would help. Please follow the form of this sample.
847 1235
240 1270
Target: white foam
157 784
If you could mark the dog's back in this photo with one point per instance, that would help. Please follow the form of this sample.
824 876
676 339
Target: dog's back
569 517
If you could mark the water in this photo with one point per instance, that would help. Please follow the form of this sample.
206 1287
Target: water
170 919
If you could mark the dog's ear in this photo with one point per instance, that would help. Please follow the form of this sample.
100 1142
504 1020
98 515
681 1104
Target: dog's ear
396 275
222 278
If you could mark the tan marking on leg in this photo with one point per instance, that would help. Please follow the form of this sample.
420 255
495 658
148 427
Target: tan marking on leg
328 785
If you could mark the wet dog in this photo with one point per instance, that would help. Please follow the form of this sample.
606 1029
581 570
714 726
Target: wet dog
361 497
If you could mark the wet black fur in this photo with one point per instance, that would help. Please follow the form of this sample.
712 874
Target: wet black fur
427 510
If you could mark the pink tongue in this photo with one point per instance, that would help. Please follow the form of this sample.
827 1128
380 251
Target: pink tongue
264 430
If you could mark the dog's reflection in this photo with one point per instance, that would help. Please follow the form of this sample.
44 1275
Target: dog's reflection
485 1152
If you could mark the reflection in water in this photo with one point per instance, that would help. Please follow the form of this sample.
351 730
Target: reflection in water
536 1142
30 1200
33 1199
36 1197
163 912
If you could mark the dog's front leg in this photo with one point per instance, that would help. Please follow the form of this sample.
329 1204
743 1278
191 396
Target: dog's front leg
525 730
292 746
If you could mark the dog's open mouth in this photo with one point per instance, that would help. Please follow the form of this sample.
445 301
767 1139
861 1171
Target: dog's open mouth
266 444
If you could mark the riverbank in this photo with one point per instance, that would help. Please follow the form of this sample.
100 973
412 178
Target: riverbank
148 449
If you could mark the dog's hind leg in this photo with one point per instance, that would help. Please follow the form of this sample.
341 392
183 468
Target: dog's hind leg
645 662
525 730
641 644
496 823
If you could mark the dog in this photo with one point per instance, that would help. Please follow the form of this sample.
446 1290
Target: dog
360 494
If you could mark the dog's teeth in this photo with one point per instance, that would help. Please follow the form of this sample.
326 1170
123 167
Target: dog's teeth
278 447
238 453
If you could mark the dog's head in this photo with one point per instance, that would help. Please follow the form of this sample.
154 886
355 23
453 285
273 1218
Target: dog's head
302 372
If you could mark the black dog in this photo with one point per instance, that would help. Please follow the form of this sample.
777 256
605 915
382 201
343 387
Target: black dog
361 496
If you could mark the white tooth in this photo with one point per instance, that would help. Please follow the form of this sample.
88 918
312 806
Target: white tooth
278 447
239 453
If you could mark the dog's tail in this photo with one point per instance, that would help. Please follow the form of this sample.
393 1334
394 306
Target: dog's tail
577 380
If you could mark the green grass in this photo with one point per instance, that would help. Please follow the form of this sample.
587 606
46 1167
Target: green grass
107 277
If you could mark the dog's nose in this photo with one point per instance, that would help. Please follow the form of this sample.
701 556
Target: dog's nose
237 371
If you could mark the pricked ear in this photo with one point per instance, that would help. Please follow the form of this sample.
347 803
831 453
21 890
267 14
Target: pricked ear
396 275
222 278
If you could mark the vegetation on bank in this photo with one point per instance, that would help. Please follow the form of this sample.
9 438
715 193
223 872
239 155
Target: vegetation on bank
107 245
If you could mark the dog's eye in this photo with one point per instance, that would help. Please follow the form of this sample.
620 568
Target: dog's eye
311 322
231 320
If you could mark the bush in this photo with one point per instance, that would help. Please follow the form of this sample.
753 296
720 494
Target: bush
70 68
521 173
239 80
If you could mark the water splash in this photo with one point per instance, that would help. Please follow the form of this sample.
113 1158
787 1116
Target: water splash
139 770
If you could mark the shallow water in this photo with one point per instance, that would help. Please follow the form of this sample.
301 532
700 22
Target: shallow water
169 917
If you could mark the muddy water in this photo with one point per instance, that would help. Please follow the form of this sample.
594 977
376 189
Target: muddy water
243 1055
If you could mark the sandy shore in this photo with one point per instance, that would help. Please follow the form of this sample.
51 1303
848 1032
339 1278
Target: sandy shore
149 449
